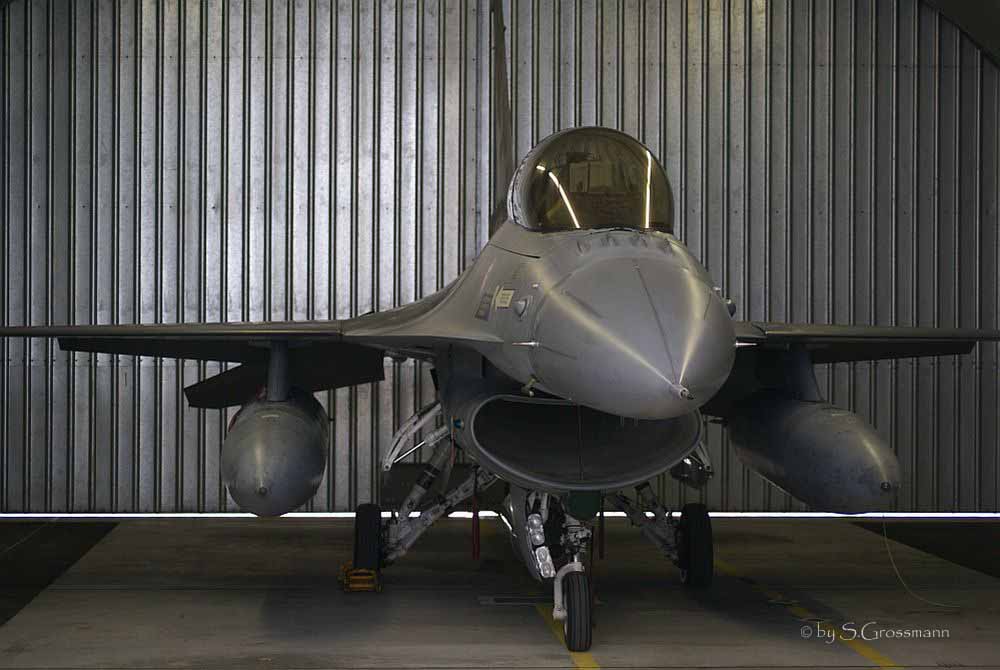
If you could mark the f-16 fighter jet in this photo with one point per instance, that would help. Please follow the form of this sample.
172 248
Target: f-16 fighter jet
573 361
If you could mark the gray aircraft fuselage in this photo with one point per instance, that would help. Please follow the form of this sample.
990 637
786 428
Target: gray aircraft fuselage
623 321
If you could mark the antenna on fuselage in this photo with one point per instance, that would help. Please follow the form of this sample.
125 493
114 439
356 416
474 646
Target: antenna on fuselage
502 134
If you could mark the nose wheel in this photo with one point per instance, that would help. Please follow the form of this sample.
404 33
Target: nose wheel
694 546
579 623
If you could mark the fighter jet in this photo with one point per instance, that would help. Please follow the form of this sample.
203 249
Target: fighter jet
573 361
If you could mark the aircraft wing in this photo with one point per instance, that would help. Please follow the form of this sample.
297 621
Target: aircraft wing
839 343
322 354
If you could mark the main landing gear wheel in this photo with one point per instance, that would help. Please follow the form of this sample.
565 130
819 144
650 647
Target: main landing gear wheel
694 546
578 624
368 537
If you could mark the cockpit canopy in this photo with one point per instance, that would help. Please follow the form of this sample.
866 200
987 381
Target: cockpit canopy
590 178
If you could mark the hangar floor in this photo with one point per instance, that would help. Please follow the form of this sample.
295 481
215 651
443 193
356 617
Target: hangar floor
247 593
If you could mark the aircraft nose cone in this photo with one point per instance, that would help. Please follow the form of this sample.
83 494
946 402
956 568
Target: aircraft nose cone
634 337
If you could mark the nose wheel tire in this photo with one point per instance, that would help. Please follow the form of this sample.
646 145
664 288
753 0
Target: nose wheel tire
368 537
694 546
578 625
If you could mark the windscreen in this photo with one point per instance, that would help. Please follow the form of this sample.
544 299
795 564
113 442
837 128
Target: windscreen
590 178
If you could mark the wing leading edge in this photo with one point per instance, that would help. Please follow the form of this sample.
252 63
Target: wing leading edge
323 354
837 343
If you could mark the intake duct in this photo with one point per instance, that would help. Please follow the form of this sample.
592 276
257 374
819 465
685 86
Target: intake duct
554 445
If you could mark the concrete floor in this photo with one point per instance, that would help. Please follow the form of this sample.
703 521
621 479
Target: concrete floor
237 593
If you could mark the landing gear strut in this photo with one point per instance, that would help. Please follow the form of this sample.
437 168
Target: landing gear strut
378 544
686 542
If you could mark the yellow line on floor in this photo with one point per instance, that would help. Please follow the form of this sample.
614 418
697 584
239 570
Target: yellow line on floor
801 613
581 659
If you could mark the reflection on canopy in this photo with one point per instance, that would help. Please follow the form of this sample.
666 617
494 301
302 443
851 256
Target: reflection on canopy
589 178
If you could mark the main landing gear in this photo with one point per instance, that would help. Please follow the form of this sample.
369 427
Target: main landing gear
379 542
687 542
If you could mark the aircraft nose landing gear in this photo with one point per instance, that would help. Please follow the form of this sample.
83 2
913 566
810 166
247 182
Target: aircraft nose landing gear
572 604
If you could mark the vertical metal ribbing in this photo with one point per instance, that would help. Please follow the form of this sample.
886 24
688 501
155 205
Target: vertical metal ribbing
180 150
374 480
201 484
872 366
578 63
703 148
977 294
93 257
995 410
956 288
353 492
158 261
223 278
935 488
5 101
894 232
831 203
50 362
331 295
810 155
598 66
851 244
115 249
25 315
535 41
915 255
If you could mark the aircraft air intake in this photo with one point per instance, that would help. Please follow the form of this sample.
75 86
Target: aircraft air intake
555 445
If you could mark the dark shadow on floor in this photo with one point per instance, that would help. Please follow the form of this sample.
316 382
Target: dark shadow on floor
34 554
971 544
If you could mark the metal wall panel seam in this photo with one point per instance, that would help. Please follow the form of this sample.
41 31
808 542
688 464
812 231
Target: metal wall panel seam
136 252
871 366
956 286
180 222
578 62
810 159
331 288
703 141
894 232
94 254
935 488
915 253
831 203
158 256
376 406
71 262
26 252
115 248
977 293
851 237
50 362
224 103
203 279
956 485
5 102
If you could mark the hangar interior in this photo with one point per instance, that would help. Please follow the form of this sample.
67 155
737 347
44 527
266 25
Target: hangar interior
174 161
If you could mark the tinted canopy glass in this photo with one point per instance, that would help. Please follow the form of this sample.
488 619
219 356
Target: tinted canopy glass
589 178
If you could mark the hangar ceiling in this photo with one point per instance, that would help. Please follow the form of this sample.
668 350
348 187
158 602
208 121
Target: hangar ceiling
166 161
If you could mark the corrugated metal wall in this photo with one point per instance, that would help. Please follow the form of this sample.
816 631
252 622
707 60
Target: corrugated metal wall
166 161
